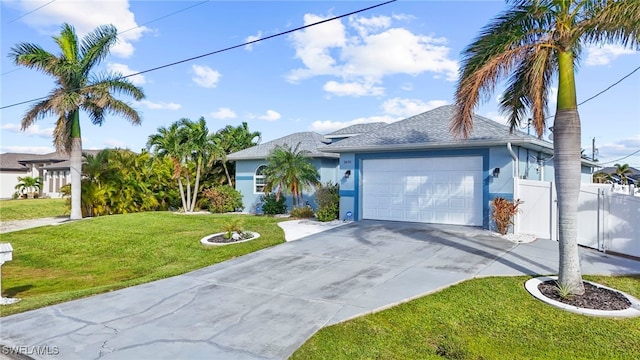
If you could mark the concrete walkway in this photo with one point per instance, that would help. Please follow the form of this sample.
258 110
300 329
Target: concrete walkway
16 225
266 304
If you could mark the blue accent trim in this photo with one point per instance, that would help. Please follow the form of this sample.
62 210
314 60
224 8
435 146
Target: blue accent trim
347 193
244 177
483 152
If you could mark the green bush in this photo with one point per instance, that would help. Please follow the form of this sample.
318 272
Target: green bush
271 206
328 200
327 213
222 199
302 212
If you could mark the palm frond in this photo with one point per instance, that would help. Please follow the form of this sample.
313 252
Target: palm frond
96 46
611 22
68 43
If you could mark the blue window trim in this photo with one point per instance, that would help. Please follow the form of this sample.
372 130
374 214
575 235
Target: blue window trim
482 152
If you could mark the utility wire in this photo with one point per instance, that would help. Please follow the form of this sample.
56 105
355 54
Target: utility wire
30 12
165 16
610 86
121 32
622 158
221 50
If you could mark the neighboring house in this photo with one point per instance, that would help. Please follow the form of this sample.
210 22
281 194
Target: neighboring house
415 170
53 168
632 178
251 162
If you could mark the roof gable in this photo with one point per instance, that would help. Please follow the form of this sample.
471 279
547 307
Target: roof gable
309 141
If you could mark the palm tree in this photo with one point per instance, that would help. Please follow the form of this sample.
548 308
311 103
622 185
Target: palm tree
232 139
622 171
532 42
189 145
601 178
77 89
28 183
290 171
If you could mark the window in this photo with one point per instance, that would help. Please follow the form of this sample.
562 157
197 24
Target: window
259 180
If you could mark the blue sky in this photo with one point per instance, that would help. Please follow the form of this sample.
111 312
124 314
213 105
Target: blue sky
384 64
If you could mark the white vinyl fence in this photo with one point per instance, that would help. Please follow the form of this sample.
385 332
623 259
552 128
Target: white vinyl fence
607 220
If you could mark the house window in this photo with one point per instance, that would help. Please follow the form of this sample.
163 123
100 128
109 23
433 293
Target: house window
259 180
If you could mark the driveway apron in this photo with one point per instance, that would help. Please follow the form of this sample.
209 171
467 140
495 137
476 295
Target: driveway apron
266 304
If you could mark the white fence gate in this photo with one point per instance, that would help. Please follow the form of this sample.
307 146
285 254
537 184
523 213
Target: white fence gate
607 220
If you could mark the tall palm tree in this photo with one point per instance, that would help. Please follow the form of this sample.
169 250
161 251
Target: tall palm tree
199 145
77 88
622 170
290 171
232 139
532 42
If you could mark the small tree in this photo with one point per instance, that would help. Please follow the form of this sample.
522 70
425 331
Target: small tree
328 199
290 170
28 184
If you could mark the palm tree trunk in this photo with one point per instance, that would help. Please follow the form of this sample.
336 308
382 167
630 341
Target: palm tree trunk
184 203
188 185
226 171
566 139
195 189
75 167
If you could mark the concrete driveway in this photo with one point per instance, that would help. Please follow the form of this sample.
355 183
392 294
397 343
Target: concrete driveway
266 304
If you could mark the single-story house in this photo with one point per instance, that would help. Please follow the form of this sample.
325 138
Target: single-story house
415 169
250 162
633 177
53 168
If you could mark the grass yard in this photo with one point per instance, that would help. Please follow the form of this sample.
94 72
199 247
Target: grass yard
489 318
53 264
25 209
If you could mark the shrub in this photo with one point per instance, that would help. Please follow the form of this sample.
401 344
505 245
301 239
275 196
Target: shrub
271 206
327 213
232 225
503 212
223 199
302 212
328 200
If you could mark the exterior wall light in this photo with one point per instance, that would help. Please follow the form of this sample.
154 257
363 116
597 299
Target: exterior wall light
347 174
496 172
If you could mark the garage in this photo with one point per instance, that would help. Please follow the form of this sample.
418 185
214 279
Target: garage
439 190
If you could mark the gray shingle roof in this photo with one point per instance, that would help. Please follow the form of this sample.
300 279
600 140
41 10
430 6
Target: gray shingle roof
431 129
309 141
9 161
356 129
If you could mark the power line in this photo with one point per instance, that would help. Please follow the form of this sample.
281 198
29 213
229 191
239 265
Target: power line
121 32
622 158
165 16
610 86
221 50
30 12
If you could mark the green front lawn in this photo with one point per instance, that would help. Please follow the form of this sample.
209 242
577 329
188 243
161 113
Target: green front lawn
25 209
53 264
490 318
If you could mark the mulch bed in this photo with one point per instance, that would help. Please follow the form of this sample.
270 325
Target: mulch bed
594 297
220 239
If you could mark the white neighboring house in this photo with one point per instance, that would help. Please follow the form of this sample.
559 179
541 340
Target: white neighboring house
52 167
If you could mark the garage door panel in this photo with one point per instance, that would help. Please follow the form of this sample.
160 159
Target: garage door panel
437 190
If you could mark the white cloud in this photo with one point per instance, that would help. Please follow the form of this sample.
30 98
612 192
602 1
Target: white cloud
33 130
124 70
160 105
250 38
26 149
619 149
410 107
376 50
205 76
329 126
224 113
270 116
603 55
86 16
352 89
113 143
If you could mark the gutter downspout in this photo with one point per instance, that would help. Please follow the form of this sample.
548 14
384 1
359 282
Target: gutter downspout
516 172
